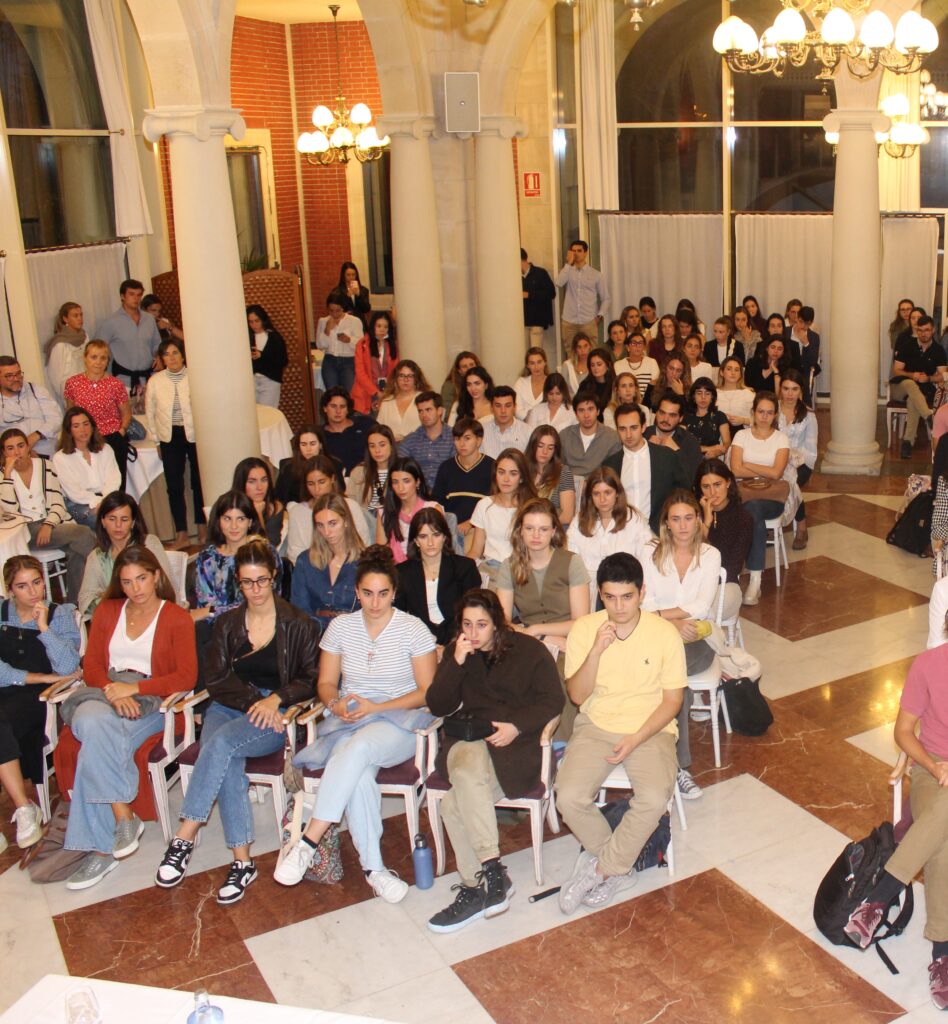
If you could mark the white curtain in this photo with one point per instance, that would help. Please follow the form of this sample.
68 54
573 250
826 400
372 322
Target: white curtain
779 257
131 205
668 256
909 268
597 67
900 179
90 275
6 334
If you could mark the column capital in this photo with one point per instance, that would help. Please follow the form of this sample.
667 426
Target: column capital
503 127
201 122
414 126
859 120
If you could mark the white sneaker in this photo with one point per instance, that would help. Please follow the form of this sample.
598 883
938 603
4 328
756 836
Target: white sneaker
295 864
752 594
29 825
690 790
388 885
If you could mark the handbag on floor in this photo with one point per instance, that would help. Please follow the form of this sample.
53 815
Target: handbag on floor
747 707
326 868
49 860
912 531
653 853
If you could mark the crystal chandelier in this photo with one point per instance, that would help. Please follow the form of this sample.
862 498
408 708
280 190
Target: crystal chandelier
934 101
836 38
341 131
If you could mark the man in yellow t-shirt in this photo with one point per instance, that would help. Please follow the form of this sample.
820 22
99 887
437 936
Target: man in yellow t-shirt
625 668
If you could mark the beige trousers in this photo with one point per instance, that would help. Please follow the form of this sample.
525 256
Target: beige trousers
917 405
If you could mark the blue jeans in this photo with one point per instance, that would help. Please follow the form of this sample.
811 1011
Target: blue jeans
83 515
227 740
106 772
338 371
348 784
760 511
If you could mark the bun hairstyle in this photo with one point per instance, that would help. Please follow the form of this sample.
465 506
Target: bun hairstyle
255 552
377 559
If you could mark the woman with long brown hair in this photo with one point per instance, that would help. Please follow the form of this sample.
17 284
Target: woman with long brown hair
552 478
396 408
323 583
492 517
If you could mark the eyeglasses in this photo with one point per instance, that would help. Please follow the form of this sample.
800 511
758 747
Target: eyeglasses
264 583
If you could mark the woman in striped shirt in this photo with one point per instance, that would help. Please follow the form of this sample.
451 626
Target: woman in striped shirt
376 665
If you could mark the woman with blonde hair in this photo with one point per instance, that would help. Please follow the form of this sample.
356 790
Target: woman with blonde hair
551 477
546 582
511 486
320 478
626 391
323 582
529 385
681 583
397 405
734 398
606 523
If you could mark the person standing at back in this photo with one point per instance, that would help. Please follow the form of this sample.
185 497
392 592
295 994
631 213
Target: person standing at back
586 295
133 338
538 295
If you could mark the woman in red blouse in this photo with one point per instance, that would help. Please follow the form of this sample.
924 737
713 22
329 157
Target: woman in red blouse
105 397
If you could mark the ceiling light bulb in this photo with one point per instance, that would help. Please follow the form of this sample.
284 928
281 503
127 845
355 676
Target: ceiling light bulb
361 115
789 28
838 28
908 32
877 32
322 116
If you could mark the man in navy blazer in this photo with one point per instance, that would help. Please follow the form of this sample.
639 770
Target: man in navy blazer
807 343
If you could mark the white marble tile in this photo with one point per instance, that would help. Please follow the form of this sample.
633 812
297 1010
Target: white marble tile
878 742
437 998
344 955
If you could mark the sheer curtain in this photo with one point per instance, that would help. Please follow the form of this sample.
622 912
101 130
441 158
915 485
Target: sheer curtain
779 257
6 334
909 267
131 205
90 276
597 68
668 256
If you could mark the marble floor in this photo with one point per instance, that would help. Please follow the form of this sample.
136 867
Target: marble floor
729 938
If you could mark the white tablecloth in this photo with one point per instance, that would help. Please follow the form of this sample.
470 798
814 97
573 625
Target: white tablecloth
45 1003
14 540
275 434
144 471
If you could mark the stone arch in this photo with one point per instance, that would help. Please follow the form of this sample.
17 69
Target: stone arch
510 38
400 58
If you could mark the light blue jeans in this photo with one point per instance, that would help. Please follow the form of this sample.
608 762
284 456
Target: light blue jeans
83 515
106 772
348 784
227 740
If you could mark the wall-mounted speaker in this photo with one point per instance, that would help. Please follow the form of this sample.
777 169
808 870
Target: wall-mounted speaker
462 101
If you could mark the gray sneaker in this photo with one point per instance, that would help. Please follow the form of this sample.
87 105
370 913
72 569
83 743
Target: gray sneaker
92 870
604 892
127 835
584 879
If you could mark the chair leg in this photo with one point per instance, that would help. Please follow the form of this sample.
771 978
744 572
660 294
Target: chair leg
279 802
551 816
537 814
679 804
670 856
159 790
778 540
740 634
412 813
724 711
185 782
715 733
437 831
42 797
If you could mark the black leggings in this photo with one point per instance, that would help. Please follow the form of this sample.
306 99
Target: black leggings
174 453
119 444
803 475
22 722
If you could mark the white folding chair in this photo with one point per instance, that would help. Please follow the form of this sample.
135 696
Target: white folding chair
709 682
733 625
178 564
780 548
53 561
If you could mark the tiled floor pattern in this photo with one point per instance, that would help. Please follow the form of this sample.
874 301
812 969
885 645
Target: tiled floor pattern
729 938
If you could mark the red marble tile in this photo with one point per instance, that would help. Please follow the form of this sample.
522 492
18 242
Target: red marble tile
853 512
700 951
818 595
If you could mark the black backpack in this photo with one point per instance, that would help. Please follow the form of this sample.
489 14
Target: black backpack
913 529
656 846
848 882
747 707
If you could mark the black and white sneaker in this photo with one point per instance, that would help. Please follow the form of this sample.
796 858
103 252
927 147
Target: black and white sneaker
174 864
238 878
498 888
468 906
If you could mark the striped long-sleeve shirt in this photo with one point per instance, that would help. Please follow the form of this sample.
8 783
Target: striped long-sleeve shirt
56 512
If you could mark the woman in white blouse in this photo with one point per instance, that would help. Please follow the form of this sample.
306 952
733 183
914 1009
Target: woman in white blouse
681 582
734 398
397 408
606 524
85 465
555 409
530 384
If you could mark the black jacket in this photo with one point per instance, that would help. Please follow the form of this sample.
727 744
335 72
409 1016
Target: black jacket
458 575
538 306
735 348
297 638
668 472
522 688
273 358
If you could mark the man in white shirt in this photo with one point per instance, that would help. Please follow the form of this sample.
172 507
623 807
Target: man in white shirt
587 443
586 296
30 488
648 472
504 430
642 367
29 407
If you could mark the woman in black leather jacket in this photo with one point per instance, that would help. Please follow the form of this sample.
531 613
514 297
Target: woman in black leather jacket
263 656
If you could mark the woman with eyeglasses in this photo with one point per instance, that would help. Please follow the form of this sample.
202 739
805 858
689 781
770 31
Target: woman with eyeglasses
323 582
263 657
397 409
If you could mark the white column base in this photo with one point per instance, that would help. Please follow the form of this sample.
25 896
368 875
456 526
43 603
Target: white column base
851 459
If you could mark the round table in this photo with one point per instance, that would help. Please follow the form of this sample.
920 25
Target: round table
14 540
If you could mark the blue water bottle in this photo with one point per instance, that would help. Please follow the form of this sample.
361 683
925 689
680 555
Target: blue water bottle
421 856
204 1010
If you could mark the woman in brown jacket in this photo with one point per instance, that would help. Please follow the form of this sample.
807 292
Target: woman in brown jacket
263 656
509 689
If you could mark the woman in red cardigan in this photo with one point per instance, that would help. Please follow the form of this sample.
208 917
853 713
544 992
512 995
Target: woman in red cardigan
375 356
141 650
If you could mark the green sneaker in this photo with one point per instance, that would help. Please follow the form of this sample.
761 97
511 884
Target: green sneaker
91 871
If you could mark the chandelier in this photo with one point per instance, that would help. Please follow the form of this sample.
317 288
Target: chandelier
874 43
934 101
341 131
904 136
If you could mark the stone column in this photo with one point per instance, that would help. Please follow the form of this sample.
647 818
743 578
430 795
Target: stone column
212 295
856 282
497 236
416 251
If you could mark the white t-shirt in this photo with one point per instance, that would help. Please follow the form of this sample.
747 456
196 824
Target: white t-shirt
431 599
702 369
125 653
761 453
495 521
260 340
736 403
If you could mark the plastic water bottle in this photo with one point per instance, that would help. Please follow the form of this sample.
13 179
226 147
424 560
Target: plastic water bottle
421 857
204 1012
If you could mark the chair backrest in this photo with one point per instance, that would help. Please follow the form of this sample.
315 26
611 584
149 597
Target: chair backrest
719 618
178 564
83 632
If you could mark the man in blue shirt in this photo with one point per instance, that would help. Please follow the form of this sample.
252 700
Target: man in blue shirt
133 337
433 442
